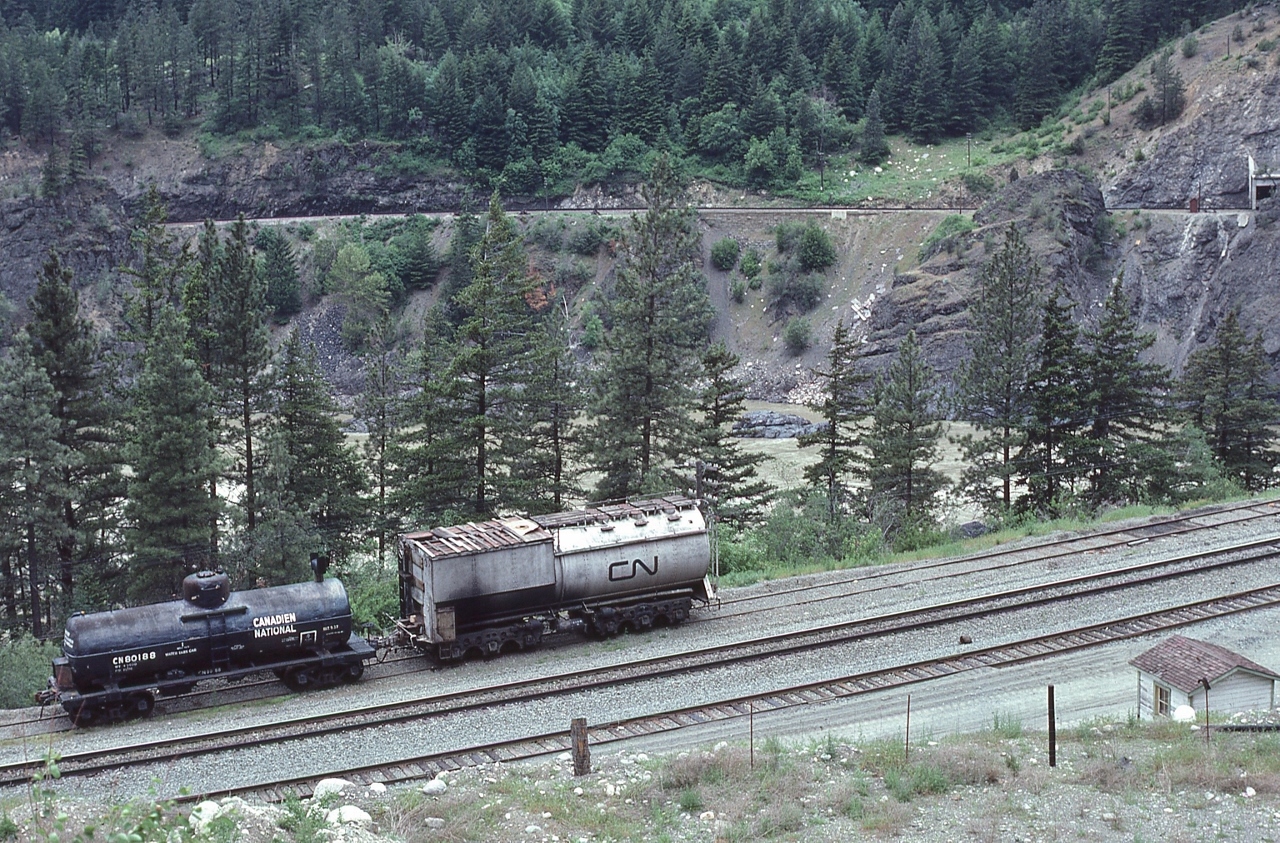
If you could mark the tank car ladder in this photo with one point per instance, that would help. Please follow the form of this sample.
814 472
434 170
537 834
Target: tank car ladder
219 649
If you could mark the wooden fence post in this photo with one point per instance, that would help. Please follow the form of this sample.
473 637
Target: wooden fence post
581 749
1053 732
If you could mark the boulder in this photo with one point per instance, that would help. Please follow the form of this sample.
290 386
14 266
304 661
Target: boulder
328 786
348 815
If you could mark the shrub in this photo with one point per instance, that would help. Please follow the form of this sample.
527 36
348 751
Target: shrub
750 265
787 235
586 238
978 184
24 667
1190 46
797 335
724 254
738 290
548 233
374 599
816 249
592 332
806 291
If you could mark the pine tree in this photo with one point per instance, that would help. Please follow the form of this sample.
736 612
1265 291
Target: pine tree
492 344
159 267
660 314
382 409
277 549
874 148
927 107
280 273
1123 400
1050 458
68 349
323 477
33 464
584 116
428 468
542 443
1169 90
467 231
726 476
174 458
1225 392
237 304
902 444
994 391
844 405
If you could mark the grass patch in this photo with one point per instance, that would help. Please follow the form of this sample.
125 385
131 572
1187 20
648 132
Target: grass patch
946 237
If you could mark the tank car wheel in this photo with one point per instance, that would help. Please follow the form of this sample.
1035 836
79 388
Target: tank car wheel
141 704
83 714
298 678
353 672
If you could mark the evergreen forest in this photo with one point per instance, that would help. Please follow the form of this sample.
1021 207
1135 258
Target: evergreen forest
184 437
190 425
532 96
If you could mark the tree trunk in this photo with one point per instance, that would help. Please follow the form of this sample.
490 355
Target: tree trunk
8 588
33 578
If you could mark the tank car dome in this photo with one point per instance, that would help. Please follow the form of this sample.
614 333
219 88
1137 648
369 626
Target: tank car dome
206 589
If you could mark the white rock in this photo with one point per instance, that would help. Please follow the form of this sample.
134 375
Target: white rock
533 829
203 814
328 786
1250 792
577 791
434 822
378 788
1184 714
348 815
720 747
435 787
707 816
565 756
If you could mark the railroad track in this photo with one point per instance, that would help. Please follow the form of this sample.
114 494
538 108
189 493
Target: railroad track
951 568
1100 540
764 647
736 708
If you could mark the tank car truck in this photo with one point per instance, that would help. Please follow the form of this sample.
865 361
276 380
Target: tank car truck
480 589
113 664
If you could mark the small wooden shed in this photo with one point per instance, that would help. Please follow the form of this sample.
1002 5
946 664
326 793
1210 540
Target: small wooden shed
1170 674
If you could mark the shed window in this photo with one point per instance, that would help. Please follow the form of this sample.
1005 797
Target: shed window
1162 701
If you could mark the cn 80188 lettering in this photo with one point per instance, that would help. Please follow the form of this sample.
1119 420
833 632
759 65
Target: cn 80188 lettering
114 663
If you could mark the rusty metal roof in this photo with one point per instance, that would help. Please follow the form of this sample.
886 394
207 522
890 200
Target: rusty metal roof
478 536
615 511
1183 662
510 532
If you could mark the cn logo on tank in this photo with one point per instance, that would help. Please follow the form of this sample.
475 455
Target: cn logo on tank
629 569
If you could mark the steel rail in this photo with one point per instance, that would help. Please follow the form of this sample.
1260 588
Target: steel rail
763 647
796 696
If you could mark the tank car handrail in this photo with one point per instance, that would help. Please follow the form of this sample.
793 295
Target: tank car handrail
221 611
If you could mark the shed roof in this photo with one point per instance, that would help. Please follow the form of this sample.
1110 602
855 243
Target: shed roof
1183 662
